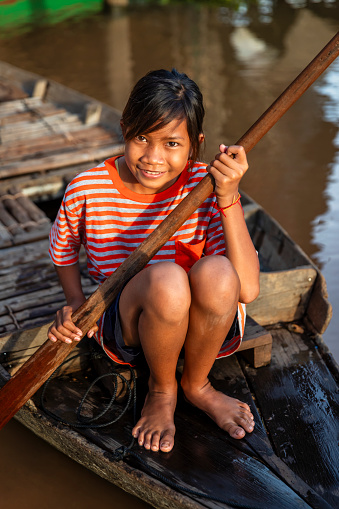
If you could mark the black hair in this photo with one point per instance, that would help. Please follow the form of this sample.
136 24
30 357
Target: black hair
160 97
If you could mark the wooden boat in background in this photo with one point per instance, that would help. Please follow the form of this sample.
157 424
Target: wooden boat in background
284 371
49 133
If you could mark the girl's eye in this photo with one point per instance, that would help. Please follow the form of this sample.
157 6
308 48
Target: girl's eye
140 138
173 143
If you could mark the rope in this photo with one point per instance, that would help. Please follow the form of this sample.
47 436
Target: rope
12 315
89 422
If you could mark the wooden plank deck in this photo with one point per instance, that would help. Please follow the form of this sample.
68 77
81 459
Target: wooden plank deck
21 221
30 291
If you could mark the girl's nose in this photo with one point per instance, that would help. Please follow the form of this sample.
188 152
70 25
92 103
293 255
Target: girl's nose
153 155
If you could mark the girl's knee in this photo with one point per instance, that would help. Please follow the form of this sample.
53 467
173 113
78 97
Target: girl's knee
215 283
167 290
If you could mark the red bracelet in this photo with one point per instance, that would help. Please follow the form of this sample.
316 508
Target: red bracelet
221 209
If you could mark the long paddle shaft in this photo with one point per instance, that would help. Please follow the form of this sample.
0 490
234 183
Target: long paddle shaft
43 363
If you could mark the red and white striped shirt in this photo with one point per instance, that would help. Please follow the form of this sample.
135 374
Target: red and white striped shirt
110 221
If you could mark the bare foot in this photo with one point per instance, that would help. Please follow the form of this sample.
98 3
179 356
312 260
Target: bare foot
229 414
155 429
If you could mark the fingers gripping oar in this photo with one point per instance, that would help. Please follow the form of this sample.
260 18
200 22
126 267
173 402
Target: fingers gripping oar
43 363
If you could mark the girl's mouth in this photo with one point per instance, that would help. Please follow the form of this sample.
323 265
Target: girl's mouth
153 174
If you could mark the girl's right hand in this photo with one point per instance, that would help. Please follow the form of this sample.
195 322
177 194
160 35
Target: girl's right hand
63 328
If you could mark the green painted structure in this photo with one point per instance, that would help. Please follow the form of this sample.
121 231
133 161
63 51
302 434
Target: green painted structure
15 13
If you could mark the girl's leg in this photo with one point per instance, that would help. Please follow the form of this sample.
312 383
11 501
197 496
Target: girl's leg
215 291
154 311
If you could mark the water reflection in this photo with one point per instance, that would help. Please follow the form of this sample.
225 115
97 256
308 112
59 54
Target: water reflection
325 226
242 61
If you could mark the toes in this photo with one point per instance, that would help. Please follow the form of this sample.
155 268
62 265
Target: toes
247 424
235 431
245 409
246 420
136 432
245 406
150 440
239 427
167 442
154 441
141 438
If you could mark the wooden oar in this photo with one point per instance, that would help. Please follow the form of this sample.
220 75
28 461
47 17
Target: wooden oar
43 363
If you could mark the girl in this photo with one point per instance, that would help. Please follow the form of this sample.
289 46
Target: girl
189 295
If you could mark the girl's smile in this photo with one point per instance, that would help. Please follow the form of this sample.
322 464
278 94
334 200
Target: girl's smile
154 161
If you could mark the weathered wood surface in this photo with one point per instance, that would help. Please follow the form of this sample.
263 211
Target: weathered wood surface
284 295
290 284
36 137
45 127
30 291
256 345
52 183
21 221
193 452
204 458
299 402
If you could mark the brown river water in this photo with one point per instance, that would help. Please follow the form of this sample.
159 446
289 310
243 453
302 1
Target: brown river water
242 61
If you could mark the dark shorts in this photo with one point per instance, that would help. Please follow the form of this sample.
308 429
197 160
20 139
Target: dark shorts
114 342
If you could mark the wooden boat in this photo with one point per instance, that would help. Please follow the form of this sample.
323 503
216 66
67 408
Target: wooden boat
284 371
290 460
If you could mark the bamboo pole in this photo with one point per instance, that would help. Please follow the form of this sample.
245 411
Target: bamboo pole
50 355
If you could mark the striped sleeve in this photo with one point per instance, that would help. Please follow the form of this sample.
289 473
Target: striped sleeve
66 237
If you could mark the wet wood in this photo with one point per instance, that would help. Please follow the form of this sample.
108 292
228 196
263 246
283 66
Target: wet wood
215 460
298 397
134 481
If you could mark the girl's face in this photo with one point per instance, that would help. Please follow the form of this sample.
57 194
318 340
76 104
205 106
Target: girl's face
154 161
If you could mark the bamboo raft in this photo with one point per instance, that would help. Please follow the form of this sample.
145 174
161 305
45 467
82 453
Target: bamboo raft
284 371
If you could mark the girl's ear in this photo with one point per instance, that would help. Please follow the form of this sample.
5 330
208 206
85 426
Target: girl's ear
201 138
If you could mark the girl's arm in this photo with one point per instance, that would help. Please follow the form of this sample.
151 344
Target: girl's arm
227 169
63 328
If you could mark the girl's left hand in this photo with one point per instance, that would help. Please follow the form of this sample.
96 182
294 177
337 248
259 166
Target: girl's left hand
228 167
